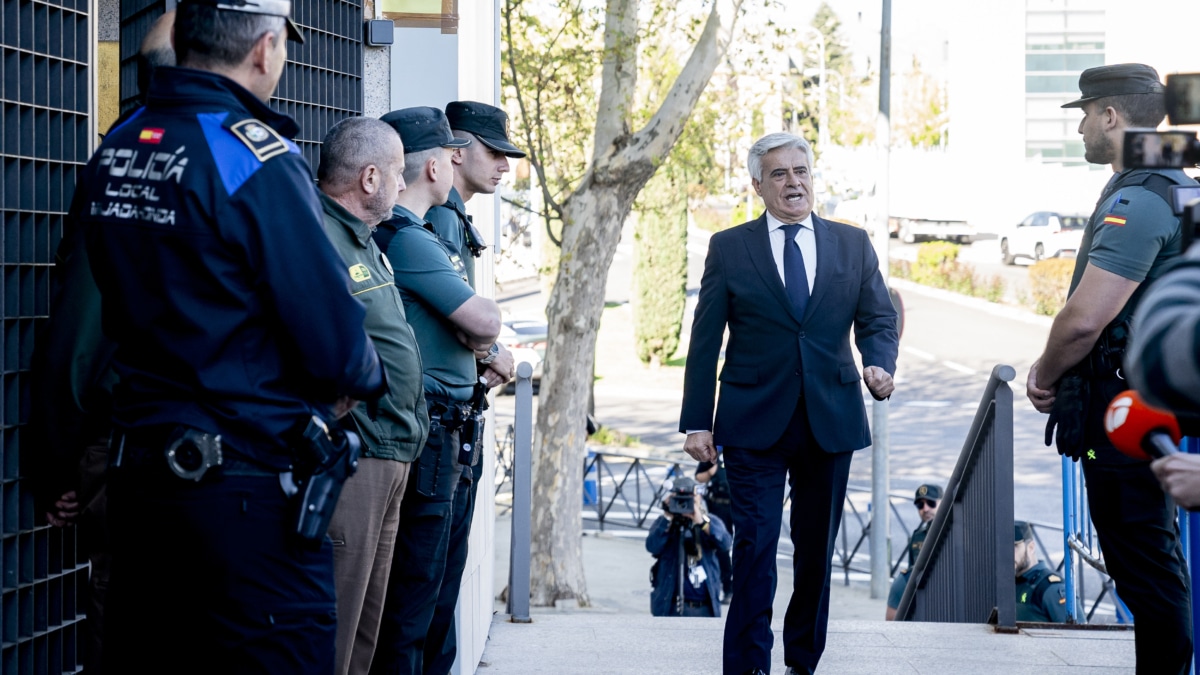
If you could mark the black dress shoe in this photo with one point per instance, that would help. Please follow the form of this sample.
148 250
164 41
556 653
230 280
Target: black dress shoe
792 671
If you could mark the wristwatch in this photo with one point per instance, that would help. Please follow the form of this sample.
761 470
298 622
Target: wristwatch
493 352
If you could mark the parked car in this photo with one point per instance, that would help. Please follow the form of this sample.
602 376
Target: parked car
1043 234
526 339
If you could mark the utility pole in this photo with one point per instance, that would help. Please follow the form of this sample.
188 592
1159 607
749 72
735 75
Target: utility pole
880 481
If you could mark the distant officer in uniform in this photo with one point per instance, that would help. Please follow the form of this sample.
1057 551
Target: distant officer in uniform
478 169
204 235
1041 594
926 501
456 330
362 160
1129 240
71 395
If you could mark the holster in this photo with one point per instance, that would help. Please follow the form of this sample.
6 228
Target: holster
434 473
470 437
325 458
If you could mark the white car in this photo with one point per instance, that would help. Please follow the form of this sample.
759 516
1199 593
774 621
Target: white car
1043 234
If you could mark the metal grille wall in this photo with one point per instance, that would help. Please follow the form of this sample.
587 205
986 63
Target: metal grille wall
45 52
321 83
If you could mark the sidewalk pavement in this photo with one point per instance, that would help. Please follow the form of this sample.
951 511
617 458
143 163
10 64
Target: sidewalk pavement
618 635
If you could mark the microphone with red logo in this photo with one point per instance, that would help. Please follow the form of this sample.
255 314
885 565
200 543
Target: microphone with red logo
1140 430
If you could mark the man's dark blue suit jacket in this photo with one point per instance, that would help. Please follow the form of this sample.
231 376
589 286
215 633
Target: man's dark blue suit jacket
764 372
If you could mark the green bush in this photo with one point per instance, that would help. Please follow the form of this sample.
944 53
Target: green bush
1049 281
660 278
937 265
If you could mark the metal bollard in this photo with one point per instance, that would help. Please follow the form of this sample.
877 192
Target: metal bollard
519 550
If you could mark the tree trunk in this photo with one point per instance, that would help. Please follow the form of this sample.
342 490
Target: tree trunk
574 310
592 217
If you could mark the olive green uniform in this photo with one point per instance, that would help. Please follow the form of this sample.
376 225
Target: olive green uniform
393 432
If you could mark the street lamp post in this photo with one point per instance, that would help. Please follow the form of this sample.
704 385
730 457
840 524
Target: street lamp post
823 115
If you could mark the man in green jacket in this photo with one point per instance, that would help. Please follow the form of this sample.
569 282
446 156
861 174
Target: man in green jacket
360 176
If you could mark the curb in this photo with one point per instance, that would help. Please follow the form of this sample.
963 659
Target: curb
992 308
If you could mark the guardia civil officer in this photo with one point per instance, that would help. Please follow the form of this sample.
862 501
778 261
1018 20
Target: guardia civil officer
478 170
926 500
204 233
454 329
1129 240
1041 594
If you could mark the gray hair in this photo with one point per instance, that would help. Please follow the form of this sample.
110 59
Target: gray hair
774 142
353 144
414 163
206 37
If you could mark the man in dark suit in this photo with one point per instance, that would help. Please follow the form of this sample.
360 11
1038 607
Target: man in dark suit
791 399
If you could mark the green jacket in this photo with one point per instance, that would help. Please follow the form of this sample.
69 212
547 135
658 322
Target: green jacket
400 425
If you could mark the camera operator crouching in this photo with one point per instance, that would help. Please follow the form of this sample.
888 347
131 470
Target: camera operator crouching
685 541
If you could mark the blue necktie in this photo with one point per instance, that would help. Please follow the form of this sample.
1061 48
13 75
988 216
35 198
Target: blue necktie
795 278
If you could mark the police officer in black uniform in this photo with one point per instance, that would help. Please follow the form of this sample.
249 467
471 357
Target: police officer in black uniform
204 232
1041 594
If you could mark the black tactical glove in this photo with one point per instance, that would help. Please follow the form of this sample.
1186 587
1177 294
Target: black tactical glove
1069 415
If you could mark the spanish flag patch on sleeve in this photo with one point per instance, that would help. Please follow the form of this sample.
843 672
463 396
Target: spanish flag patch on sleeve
1110 219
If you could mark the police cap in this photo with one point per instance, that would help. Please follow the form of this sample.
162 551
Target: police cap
1022 531
423 128
928 491
281 8
1116 80
487 122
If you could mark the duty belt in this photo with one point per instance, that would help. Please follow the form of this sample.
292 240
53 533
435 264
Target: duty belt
449 412
188 453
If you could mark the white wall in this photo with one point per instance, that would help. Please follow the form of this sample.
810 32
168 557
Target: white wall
478 69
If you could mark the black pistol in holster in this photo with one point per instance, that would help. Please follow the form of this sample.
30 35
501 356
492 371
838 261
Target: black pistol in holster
325 458
470 436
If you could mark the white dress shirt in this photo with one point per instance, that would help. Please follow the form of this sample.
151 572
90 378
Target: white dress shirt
806 237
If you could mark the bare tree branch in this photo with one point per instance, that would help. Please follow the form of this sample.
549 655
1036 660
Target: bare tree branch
619 76
656 139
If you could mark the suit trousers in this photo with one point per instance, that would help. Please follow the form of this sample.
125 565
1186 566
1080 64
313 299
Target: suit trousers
818 487
363 532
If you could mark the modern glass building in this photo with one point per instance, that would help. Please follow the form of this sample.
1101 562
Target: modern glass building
1062 39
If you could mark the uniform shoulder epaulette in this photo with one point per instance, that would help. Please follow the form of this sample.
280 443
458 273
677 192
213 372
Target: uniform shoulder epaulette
262 140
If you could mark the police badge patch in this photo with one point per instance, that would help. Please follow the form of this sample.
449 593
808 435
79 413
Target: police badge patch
262 140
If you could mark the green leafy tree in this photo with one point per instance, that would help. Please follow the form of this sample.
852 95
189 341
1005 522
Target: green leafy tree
849 98
588 185
660 274
923 120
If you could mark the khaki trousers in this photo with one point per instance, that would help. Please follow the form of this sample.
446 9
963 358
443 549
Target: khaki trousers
363 530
